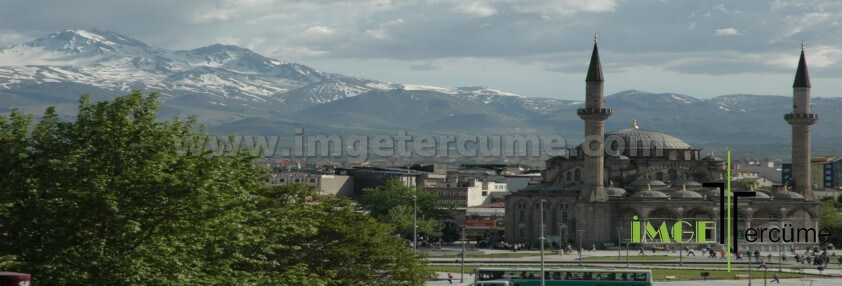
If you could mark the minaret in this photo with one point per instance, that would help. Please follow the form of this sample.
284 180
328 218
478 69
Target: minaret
594 114
800 118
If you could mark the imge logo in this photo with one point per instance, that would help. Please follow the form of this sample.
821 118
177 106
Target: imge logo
680 231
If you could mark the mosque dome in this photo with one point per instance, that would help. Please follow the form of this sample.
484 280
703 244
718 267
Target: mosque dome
685 194
649 193
637 138
709 192
613 191
687 182
643 182
787 195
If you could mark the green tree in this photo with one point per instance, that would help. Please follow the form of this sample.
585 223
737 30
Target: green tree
108 199
394 204
829 215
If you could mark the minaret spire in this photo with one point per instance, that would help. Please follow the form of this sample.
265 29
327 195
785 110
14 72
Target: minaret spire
595 68
801 118
802 78
594 113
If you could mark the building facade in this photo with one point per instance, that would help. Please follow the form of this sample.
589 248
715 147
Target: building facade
591 196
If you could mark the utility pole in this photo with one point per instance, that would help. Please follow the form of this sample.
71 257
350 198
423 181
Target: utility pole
619 248
414 223
627 252
780 257
749 266
580 231
462 278
542 241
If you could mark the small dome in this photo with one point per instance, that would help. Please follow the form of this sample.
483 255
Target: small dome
642 182
617 156
575 187
557 158
709 192
649 194
787 195
687 182
685 194
710 157
761 195
613 191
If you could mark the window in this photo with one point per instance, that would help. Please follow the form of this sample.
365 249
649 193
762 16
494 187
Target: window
773 217
521 233
297 180
484 193
578 175
659 176
564 216
312 180
282 180
522 216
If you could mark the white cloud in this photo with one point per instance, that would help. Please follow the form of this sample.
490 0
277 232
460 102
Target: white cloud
475 9
560 8
727 32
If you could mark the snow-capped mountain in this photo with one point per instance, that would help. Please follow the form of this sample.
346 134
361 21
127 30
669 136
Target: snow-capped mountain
235 90
221 73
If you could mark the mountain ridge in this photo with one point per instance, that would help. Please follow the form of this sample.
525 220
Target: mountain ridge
228 85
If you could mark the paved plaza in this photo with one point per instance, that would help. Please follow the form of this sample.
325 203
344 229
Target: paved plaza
698 262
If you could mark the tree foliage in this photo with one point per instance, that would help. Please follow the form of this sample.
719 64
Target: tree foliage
107 199
394 204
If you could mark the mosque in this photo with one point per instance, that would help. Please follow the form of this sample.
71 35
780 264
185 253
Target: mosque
591 196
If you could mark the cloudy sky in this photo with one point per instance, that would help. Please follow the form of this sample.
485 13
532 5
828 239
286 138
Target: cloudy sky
534 48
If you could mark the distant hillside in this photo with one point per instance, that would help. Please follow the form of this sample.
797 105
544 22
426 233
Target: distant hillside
235 90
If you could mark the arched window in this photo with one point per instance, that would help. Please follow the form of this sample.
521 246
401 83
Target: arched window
673 174
569 176
578 175
659 176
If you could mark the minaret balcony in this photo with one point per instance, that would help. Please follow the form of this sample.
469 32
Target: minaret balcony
801 118
594 113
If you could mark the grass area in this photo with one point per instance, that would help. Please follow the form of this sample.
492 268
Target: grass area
658 274
495 255
632 258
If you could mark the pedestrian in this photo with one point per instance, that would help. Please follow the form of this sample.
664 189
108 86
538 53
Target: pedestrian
762 264
593 247
642 252
739 256
653 249
690 252
450 279
722 254
775 278
783 256
757 255
769 257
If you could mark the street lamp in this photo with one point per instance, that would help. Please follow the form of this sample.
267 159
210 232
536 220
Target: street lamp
619 248
462 276
414 223
580 232
542 241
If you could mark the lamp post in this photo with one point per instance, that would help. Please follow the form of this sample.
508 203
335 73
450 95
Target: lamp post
542 241
580 232
462 277
780 257
628 245
414 223
619 248
749 266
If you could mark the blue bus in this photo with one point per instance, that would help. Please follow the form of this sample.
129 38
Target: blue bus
552 277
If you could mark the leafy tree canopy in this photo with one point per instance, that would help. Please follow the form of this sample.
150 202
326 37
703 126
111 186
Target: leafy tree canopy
107 199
